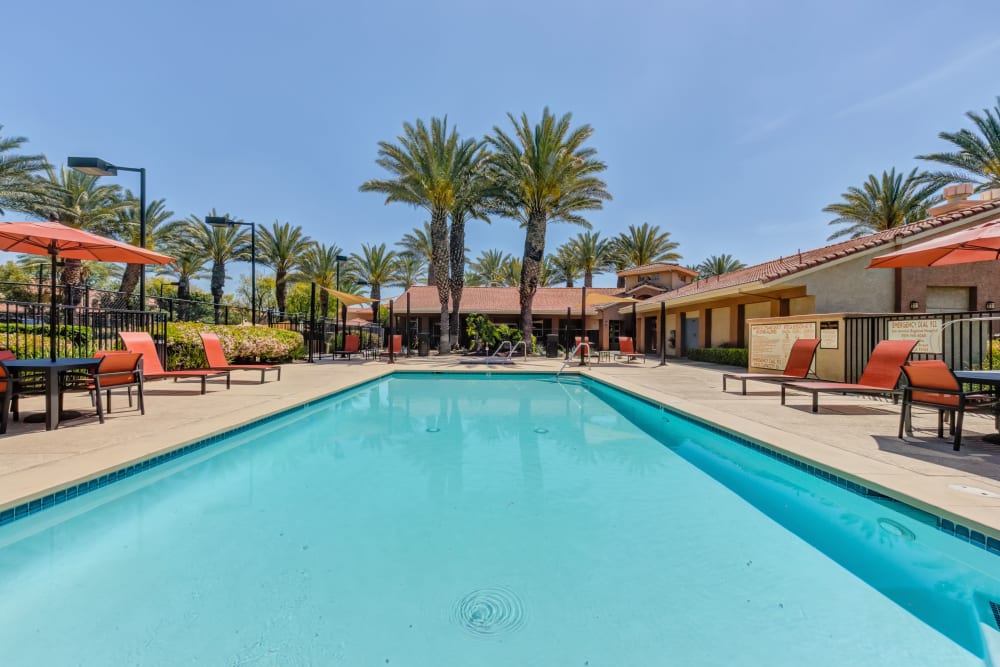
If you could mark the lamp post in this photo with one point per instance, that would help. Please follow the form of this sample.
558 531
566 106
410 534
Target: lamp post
98 167
341 314
218 221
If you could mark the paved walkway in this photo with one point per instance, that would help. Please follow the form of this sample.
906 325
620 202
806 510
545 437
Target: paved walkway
854 436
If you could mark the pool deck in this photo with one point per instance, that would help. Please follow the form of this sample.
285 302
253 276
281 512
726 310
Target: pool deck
852 436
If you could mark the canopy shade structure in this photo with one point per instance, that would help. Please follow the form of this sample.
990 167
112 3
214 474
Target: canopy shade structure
348 299
598 299
58 240
975 244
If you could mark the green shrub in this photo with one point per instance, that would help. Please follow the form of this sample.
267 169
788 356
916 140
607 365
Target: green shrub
732 356
242 344
74 335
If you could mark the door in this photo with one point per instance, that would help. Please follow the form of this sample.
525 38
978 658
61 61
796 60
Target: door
691 333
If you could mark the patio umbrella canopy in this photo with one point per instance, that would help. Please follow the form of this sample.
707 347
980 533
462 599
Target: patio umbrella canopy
975 244
58 240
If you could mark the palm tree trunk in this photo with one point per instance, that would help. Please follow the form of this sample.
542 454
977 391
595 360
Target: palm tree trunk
281 288
377 295
72 276
183 296
324 303
130 278
439 264
588 279
457 256
531 269
218 285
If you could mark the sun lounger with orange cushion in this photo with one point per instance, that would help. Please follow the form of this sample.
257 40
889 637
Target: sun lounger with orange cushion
142 342
352 346
796 368
216 357
880 376
627 350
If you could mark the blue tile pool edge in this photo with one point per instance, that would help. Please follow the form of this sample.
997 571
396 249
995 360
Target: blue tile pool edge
32 506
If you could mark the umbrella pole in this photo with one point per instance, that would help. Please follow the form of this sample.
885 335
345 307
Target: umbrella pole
54 316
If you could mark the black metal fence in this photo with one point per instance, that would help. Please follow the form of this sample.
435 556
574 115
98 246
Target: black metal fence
963 340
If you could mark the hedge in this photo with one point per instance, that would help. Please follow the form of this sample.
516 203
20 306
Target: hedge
732 356
242 344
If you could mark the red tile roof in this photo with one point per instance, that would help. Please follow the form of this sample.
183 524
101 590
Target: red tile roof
501 300
785 266
656 266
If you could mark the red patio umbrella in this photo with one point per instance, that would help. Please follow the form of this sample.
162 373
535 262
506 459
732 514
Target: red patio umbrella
975 244
58 240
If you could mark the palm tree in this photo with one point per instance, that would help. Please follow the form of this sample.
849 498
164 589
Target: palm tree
543 173
489 267
716 265
883 203
408 270
418 244
978 157
159 231
19 190
188 265
565 268
218 244
281 248
643 245
470 203
319 265
76 199
592 254
374 266
510 275
429 166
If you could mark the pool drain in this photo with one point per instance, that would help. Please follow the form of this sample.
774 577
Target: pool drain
489 612
433 429
896 529
541 430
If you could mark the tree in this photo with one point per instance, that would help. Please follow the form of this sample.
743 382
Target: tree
79 201
408 270
592 254
716 265
188 265
540 174
159 232
319 265
883 203
565 268
977 159
418 244
281 248
429 166
470 203
374 266
218 245
19 190
488 268
511 272
643 245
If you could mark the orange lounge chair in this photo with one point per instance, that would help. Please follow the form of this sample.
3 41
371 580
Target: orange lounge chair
142 342
879 377
216 357
8 404
626 349
352 345
931 384
796 367
117 370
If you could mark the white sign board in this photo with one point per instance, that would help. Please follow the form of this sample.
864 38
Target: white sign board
927 333
771 343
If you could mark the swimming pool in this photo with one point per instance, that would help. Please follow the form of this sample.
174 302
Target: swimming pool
488 520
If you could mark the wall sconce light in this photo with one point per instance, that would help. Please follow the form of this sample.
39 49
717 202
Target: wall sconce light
991 305
914 305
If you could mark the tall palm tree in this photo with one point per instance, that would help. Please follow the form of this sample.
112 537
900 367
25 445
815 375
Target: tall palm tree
218 245
418 244
319 265
127 228
281 248
592 253
470 203
428 167
978 156
883 203
489 267
565 268
188 265
408 270
78 200
510 275
643 245
716 265
19 190
543 173
375 266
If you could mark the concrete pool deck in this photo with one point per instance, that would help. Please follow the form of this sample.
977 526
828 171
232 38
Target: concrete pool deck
853 436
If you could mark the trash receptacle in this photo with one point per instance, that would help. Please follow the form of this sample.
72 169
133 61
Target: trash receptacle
423 344
551 346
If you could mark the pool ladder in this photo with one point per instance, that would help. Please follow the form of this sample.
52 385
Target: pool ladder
510 349
572 357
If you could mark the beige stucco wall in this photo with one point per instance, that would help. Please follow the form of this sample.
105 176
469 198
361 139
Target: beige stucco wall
850 287
829 363
720 326
759 309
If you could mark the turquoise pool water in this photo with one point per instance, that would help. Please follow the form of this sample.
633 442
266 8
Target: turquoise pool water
473 520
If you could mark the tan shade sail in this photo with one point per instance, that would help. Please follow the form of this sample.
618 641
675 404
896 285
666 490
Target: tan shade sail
348 299
598 299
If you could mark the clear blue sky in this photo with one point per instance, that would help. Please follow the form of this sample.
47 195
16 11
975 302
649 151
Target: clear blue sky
728 124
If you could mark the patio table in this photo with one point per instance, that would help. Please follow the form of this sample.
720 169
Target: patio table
987 378
52 371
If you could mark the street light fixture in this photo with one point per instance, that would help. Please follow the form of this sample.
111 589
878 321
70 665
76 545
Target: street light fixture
97 167
218 221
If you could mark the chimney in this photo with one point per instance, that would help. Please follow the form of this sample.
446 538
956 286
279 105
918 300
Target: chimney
990 195
956 198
